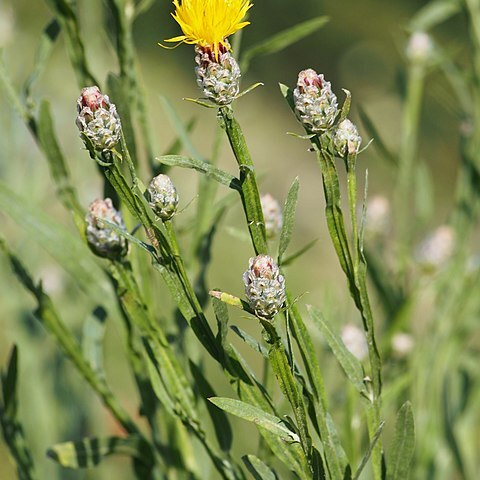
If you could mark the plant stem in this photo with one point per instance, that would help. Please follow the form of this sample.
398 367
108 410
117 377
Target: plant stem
250 195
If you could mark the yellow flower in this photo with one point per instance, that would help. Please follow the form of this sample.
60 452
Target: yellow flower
208 23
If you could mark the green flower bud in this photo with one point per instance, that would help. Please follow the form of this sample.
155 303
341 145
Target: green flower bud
219 79
98 119
101 238
315 104
264 286
163 196
272 213
346 139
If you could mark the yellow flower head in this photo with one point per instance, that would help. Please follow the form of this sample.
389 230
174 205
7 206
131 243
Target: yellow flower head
208 23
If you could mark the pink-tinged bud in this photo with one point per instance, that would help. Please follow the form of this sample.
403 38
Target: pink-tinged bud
217 77
315 104
272 213
377 220
98 119
402 344
264 286
102 239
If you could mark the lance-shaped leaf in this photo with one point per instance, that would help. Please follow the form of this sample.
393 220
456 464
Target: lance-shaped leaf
202 166
368 454
349 363
288 219
89 452
256 415
258 469
403 444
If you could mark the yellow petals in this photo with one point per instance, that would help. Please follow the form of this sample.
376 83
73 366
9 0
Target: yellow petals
208 23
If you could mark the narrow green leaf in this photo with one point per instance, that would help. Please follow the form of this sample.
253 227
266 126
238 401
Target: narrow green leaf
250 341
258 469
434 13
403 444
202 166
288 219
221 314
291 258
257 416
282 40
368 454
349 363
89 452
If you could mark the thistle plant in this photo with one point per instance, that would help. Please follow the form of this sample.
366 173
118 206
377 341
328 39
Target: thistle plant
141 267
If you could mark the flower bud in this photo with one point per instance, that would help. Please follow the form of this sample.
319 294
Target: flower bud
163 196
272 214
218 78
437 248
354 339
264 286
346 139
101 238
419 48
315 104
98 119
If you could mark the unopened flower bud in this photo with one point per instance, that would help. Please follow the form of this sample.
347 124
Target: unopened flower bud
264 286
354 339
163 196
218 78
102 239
272 214
420 47
377 219
437 248
98 119
315 104
346 139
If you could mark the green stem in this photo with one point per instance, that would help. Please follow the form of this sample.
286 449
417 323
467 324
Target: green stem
250 195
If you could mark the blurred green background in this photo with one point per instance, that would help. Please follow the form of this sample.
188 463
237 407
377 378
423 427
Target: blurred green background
361 48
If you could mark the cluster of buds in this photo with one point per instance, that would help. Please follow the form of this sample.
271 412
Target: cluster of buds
98 119
264 286
315 104
163 196
346 139
272 214
103 240
217 76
